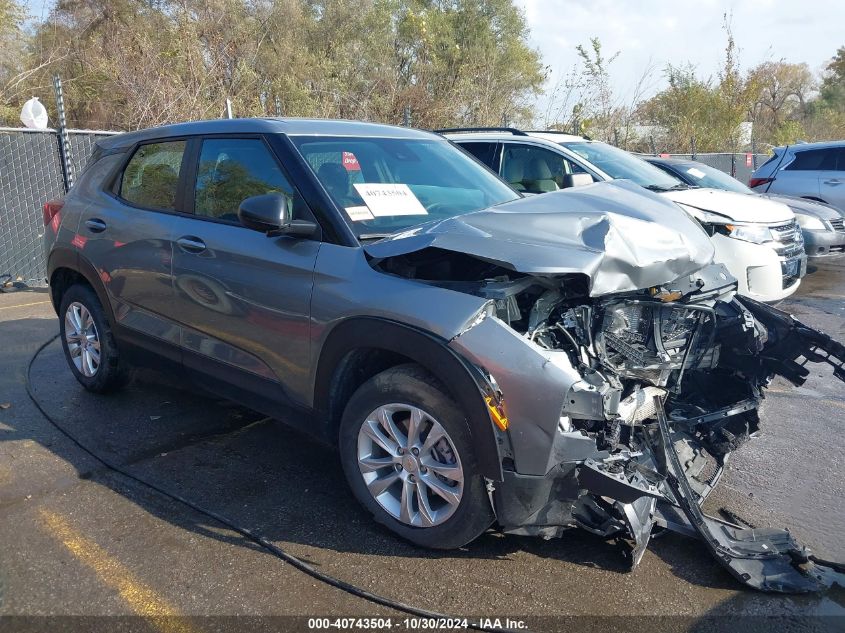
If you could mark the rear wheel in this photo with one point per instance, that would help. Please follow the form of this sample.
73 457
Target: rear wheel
406 453
88 343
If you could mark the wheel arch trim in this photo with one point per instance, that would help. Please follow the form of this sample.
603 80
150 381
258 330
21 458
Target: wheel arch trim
70 259
464 382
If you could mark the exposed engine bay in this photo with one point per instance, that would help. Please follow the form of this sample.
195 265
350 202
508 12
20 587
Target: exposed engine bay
627 367
680 370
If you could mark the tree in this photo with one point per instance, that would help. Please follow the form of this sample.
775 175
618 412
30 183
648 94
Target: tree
703 115
584 100
781 104
833 85
136 63
12 45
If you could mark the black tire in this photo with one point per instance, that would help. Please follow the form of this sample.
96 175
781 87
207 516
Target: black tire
111 374
412 385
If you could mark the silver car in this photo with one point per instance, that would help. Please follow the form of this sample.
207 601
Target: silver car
807 170
477 358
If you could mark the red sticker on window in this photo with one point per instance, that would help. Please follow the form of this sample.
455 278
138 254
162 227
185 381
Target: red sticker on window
350 162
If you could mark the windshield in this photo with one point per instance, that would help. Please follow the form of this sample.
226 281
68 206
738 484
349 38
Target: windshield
706 176
618 163
387 184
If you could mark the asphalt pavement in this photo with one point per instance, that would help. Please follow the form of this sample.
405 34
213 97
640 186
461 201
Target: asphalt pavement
79 540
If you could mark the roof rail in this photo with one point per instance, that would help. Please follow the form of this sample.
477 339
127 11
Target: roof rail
584 136
512 130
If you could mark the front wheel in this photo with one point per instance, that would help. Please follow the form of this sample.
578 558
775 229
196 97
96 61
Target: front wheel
406 453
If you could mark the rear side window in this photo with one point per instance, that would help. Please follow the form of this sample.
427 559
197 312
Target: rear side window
485 152
232 170
151 177
813 160
774 157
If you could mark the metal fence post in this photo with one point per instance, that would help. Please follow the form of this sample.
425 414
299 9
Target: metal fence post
64 144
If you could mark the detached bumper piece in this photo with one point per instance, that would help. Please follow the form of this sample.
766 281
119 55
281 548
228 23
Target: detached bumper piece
792 345
765 559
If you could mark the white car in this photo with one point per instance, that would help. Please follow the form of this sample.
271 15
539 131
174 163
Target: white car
758 239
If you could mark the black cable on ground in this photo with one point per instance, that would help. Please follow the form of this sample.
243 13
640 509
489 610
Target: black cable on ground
259 540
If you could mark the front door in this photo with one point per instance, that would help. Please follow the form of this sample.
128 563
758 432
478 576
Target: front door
243 298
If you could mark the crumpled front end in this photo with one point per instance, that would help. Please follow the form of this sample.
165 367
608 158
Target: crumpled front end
624 410
619 367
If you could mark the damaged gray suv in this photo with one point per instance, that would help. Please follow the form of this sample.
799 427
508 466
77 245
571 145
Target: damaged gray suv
478 358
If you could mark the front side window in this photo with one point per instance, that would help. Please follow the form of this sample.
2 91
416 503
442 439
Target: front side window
232 170
390 184
151 177
536 170
618 163
813 160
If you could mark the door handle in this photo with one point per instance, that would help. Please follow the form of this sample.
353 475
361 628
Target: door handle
833 182
191 244
95 225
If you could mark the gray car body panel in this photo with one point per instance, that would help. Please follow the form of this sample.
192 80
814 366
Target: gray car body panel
346 286
523 370
618 234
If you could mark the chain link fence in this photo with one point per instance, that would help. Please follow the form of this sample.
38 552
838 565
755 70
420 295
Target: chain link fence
30 175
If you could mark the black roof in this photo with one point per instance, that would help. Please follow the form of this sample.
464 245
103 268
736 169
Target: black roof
304 127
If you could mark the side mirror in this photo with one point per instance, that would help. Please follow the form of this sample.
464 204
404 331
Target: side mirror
269 214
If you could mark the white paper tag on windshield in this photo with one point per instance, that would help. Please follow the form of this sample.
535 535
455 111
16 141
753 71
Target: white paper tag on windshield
696 172
359 214
390 199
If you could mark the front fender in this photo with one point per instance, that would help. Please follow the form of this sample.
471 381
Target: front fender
464 382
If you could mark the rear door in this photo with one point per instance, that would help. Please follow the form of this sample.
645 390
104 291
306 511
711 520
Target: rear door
832 181
126 234
803 174
242 298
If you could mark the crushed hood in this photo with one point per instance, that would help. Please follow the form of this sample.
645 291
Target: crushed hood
616 233
736 207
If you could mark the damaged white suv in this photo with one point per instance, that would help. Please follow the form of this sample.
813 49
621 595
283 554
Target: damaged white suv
479 358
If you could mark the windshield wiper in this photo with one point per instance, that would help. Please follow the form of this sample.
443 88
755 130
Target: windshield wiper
660 188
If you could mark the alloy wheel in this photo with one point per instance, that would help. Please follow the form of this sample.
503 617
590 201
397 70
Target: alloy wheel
82 339
410 465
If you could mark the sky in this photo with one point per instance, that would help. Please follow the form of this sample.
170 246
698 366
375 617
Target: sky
656 32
